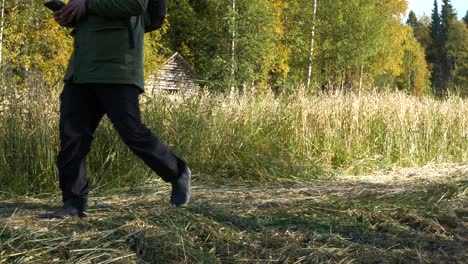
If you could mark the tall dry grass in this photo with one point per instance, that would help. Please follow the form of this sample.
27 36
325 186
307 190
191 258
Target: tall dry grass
250 136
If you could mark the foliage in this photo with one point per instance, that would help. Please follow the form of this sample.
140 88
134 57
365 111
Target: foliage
435 50
33 42
297 17
347 40
412 20
448 51
154 50
421 30
415 75
229 47
465 18
457 57
401 64
240 44
446 16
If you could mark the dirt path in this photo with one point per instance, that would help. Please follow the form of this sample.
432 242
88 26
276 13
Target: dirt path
401 216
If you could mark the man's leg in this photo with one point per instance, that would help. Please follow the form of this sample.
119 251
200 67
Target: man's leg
121 104
79 116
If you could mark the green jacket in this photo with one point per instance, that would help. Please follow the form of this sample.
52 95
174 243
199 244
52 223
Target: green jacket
108 44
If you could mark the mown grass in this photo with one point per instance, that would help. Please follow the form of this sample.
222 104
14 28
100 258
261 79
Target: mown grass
418 216
247 136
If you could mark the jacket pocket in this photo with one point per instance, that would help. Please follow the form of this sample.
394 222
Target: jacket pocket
111 44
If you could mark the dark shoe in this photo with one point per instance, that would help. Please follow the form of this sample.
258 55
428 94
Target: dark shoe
180 194
67 210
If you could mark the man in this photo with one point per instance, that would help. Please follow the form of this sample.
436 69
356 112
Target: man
105 76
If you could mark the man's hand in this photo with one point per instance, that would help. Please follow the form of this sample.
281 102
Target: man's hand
71 13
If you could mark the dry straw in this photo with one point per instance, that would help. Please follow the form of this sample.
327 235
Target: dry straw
243 135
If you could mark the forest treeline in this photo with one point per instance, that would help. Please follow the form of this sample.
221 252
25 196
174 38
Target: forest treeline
271 44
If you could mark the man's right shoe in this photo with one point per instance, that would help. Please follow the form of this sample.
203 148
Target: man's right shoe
67 210
180 194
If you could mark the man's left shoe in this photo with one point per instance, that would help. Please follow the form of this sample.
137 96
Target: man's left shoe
180 194
65 211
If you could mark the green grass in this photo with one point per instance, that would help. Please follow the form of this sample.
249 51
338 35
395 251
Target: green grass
250 136
385 217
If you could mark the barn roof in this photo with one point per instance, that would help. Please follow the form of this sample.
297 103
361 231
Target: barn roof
177 57
174 74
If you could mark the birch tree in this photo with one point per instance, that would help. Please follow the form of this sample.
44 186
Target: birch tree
233 44
311 52
2 15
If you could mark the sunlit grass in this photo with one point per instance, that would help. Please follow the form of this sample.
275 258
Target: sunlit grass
250 136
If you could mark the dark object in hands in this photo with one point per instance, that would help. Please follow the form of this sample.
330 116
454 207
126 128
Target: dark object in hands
54 5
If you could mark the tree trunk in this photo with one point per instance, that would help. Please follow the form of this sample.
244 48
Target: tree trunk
233 44
311 50
2 15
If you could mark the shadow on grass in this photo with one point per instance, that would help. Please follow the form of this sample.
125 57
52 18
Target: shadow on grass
316 222
380 225
8 209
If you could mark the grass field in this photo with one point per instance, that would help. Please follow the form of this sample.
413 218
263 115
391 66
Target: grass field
251 136
294 178
415 215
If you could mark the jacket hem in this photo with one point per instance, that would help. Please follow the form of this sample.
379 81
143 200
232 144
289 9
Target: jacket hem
91 81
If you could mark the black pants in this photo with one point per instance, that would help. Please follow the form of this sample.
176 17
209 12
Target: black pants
82 108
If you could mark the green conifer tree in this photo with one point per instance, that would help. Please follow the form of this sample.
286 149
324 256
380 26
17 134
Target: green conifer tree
465 18
456 52
447 15
434 53
412 20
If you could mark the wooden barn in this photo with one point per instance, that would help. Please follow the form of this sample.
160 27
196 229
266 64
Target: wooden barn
175 75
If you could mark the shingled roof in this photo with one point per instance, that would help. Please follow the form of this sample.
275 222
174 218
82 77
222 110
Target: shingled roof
176 74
